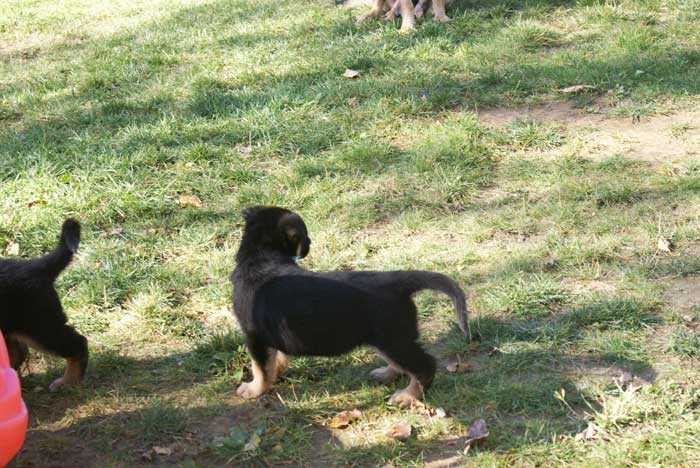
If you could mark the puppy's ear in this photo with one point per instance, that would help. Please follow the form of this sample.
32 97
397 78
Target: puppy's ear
250 212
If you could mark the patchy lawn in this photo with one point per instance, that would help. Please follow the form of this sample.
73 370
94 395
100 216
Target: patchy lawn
456 149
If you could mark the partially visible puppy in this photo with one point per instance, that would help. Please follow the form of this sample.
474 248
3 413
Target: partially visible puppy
284 309
31 312
408 12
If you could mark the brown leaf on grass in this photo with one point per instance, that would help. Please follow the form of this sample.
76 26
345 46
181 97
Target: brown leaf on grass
253 443
12 248
165 451
575 89
353 102
343 419
477 433
427 410
244 149
400 431
458 367
663 245
588 434
39 201
351 73
189 200
156 450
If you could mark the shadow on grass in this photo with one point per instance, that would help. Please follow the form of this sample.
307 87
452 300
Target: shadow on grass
518 366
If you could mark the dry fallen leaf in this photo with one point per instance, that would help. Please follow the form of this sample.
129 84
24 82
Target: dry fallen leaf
40 201
162 450
400 431
12 248
189 200
253 443
458 367
244 149
351 73
343 419
427 410
575 88
477 433
588 434
353 102
663 245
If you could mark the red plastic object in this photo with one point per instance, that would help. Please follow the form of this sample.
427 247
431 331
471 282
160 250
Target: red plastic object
13 412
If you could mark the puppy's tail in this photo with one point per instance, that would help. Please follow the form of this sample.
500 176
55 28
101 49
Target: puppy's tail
53 263
417 280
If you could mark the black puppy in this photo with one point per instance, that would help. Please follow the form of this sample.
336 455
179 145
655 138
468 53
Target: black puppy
31 312
286 310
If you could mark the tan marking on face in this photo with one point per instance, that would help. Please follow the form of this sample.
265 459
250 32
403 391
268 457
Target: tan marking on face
299 247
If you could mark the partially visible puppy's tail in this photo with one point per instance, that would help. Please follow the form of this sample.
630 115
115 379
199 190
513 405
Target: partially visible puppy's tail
53 263
413 281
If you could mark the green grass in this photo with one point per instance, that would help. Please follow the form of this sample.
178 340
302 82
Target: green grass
110 112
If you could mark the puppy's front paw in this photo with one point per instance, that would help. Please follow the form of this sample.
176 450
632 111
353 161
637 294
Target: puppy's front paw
403 398
249 391
384 374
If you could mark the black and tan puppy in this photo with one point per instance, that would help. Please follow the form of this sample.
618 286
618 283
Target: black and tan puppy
284 309
31 312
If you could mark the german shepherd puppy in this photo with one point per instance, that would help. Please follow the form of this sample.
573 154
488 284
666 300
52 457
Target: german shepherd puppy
31 312
284 309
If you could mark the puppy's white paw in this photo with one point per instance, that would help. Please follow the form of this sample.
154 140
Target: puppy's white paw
249 391
384 374
403 399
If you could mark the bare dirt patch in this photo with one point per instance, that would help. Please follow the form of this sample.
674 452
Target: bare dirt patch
684 293
655 139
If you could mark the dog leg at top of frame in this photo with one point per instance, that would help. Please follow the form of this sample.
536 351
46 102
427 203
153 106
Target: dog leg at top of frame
376 11
420 8
439 11
408 20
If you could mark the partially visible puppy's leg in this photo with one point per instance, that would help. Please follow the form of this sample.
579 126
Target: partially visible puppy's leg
439 11
281 364
377 9
391 13
264 366
420 8
420 367
386 374
17 350
64 341
408 20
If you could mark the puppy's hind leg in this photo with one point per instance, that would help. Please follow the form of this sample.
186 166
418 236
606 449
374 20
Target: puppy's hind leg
281 364
420 367
64 341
